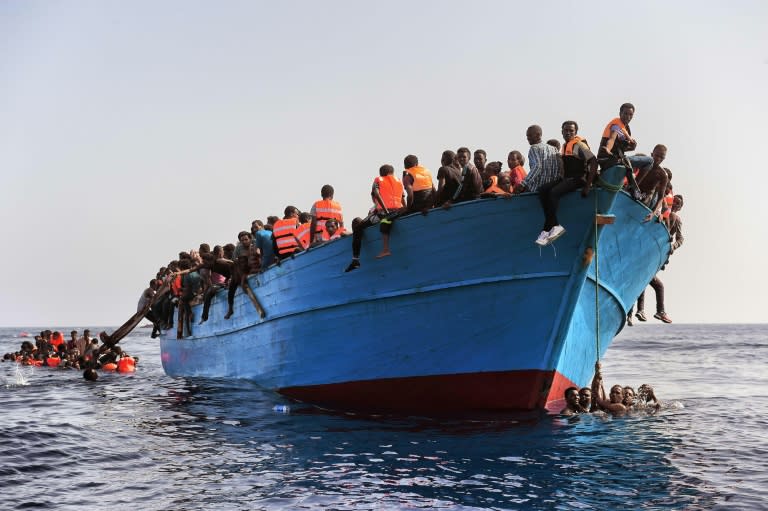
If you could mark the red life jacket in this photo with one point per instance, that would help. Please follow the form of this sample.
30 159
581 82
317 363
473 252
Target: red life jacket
126 365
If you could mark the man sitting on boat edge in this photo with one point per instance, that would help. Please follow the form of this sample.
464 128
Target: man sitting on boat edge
579 170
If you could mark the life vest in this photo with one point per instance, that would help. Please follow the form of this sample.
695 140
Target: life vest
616 122
326 209
284 231
109 366
56 339
568 147
53 361
326 237
422 178
517 175
302 232
176 286
573 166
37 363
494 187
126 365
668 200
391 191
620 145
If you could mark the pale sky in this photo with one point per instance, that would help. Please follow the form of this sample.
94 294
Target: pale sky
132 130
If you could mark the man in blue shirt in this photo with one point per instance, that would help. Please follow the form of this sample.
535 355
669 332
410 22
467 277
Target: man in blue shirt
262 239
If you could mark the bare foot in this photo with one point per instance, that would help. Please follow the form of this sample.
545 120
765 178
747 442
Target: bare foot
228 315
384 254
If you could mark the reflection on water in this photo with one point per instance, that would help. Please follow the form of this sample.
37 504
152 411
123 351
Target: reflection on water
150 442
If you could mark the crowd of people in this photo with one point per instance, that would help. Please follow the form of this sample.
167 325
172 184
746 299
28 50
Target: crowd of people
50 349
555 170
620 400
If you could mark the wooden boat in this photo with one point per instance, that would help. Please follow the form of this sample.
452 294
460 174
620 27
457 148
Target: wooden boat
467 314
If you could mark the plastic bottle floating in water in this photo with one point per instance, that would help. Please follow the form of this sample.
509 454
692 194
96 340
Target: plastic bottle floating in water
281 409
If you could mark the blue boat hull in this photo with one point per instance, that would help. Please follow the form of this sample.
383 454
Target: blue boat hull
467 314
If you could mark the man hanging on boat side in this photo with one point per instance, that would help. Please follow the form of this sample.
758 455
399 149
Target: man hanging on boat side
652 182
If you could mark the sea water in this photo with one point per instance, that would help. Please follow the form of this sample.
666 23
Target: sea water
146 441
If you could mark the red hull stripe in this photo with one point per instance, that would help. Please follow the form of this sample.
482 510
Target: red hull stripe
488 391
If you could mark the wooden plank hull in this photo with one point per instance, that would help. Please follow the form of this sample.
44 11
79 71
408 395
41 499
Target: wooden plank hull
467 314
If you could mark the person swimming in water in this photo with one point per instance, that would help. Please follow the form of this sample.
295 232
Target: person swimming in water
614 404
572 406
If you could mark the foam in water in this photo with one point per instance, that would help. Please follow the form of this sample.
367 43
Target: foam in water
21 377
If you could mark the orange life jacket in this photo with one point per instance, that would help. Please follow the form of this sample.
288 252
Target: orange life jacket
391 191
516 175
422 178
126 365
109 366
494 187
615 122
668 200
56 339
284 232
568 147
302 232
326 209
53 361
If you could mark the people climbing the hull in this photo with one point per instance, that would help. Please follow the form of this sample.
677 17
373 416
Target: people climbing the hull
675 227
555 170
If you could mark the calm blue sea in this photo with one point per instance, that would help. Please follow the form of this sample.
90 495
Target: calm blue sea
149 442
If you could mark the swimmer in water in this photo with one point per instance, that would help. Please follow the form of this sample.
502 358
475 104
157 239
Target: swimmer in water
629 397
646 398
571 402
614 404
90 375
585 400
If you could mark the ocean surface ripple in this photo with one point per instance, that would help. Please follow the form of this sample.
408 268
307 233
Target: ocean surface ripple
147 441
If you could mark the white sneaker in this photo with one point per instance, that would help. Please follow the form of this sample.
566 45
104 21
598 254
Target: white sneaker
542 240
555 233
